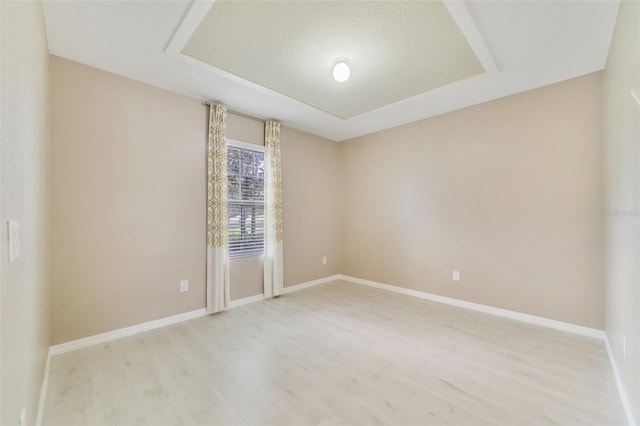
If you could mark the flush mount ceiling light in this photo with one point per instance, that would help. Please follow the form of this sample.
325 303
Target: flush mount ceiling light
341 71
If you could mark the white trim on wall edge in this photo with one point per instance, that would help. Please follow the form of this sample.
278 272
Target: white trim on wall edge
43 390
150 325
532 319
313 283
146 326
621 391
246 300
518 316
289 289
124 332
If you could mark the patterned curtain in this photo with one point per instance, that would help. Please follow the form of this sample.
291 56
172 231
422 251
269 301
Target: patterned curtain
217 233
273 275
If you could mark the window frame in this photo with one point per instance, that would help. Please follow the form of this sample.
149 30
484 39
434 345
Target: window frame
233 143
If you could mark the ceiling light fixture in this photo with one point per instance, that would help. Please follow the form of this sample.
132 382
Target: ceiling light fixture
341 71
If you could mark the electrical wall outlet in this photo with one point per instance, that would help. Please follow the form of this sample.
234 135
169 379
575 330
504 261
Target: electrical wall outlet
184 285
456 275
324 260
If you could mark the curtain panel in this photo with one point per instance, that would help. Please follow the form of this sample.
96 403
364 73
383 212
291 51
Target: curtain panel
217 233
273 263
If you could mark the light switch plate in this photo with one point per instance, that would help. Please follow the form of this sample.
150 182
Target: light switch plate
635 93
14 239
23 418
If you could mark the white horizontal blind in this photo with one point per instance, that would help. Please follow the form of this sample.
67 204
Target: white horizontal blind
245 183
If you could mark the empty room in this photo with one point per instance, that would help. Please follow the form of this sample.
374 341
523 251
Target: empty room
229 212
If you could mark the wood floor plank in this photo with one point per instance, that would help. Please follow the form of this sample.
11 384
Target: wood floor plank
338 354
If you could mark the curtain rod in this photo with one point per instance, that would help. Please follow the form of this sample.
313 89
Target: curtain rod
250 117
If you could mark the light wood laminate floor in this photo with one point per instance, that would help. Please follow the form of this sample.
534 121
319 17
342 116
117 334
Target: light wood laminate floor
338 354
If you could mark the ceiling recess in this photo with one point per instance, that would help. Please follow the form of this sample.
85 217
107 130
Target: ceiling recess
398 49
521 45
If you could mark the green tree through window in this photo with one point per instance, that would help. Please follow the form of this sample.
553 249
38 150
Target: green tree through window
245 180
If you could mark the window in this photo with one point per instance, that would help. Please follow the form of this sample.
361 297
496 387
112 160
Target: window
245 180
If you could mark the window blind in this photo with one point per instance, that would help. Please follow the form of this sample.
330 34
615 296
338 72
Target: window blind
245 180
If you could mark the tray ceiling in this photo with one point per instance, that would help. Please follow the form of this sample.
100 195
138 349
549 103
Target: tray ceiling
396 50
410 60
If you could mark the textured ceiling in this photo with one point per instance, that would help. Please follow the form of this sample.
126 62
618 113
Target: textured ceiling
522 45
396 50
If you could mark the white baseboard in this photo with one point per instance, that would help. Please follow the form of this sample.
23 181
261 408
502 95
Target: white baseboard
290 289
531 319
123 332
246 300
43 390
313 283
146 326
626 404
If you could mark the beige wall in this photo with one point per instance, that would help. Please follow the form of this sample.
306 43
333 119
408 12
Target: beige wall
245 129
128 207
311 213
508 192
311 195
24 169
621 148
